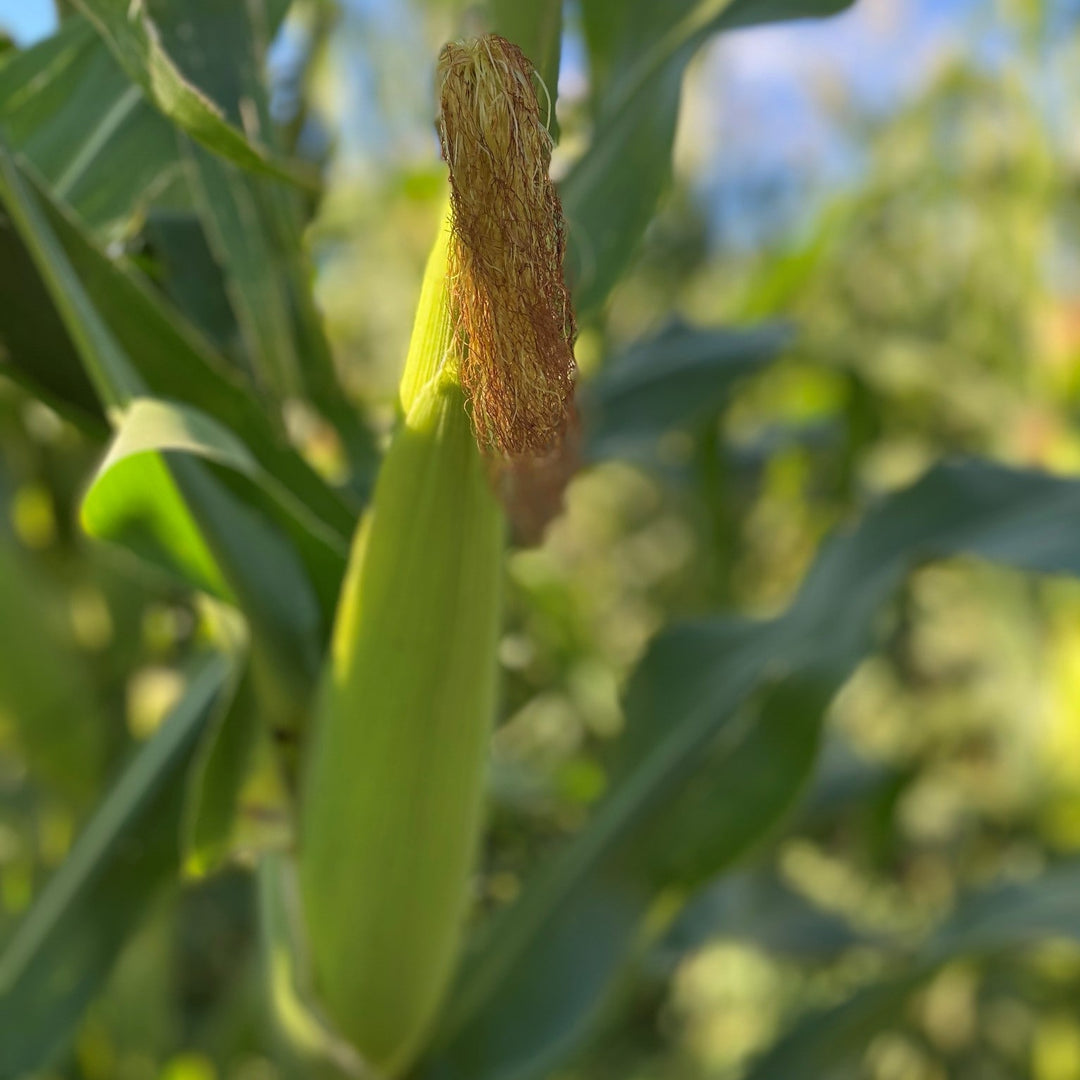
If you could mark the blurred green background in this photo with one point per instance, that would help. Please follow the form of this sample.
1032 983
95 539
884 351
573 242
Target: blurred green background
895 192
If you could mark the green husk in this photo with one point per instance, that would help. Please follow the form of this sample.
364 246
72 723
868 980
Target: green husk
392 788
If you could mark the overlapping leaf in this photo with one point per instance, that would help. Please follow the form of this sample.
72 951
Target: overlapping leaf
135 39
673 380
724 718
130 344
65 946
73 111
638 53
1000 919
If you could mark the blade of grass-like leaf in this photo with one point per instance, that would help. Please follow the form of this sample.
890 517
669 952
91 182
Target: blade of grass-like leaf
235 800
253 280
164 357
671 381
536 28
638 54
72 110
984 924
65 946
135 40
255 224
123 499
35 349
226 45
722 727
254 558
110 372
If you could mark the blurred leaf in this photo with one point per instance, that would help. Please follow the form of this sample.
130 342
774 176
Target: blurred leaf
254 224
638 52
254 283
723 720
183 267
72 110
537 29
307 1044
35 349
216 779
224 45
44 679
136 41
673 380
69 106
66 945
1004 917
758 908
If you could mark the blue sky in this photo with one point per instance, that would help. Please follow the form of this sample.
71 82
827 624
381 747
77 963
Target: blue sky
27 20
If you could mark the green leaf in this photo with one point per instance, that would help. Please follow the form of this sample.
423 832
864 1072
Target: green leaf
124 502
65 947
183 267
673 380
231 544
638 52
984 924
723 722
72 110
35 349
758 907
135 40
235 802
132 345
536 28
152 496
254 225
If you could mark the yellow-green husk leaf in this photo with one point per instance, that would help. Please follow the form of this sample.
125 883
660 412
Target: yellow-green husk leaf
394 774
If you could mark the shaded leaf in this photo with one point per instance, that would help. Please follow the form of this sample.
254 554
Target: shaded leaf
136 42
35 349
723 721
65 946
74 112
536 28
760 909
132 345
670 381
216 779
987 923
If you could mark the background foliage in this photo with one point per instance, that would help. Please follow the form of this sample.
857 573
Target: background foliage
786 776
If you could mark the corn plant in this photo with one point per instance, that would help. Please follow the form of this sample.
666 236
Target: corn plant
334 727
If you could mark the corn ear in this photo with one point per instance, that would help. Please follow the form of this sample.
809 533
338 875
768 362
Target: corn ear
391 795
393 776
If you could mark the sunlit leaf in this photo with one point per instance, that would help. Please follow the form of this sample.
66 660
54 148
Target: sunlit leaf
638 54
88 130
135 40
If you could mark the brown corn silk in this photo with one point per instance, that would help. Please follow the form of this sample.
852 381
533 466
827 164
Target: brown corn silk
514 319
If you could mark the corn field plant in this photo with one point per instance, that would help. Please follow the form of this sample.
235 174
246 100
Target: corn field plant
332 736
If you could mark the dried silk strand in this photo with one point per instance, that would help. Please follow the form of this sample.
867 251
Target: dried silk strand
514 320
